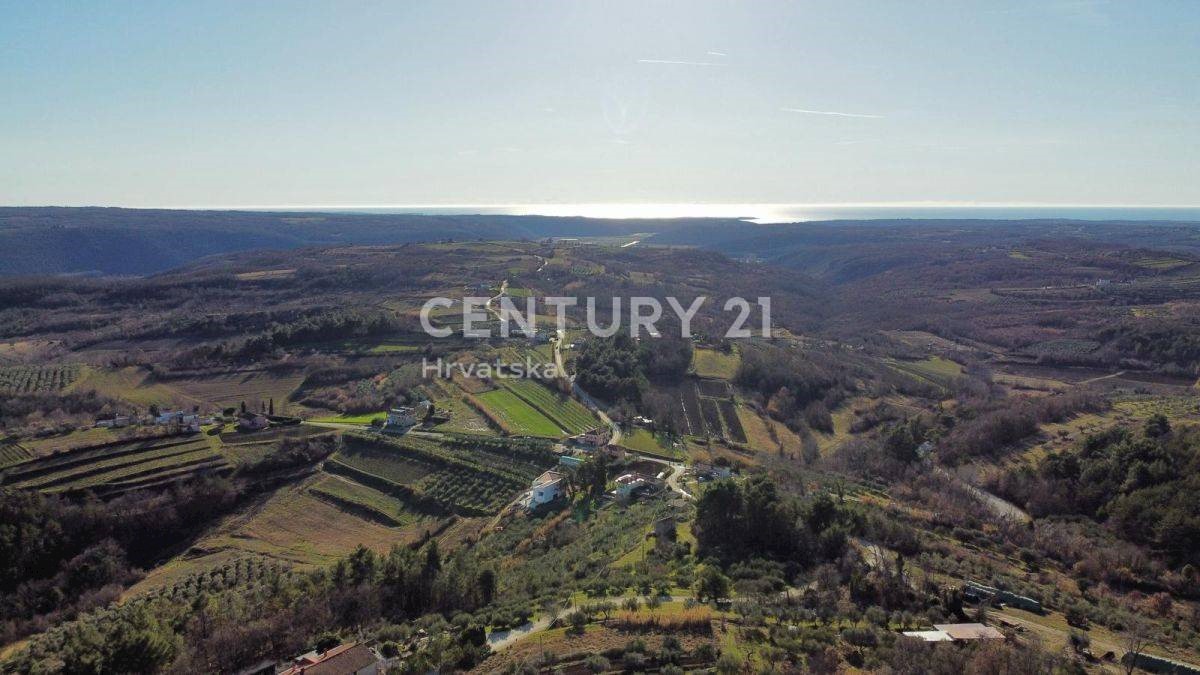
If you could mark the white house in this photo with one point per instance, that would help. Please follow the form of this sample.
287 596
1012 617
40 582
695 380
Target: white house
407 416
628 484
546 488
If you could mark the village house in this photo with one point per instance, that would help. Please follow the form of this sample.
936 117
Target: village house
629 485
593 438
546 488
253 422
405 417
347 659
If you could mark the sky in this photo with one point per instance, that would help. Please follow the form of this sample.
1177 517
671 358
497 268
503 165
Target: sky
347 103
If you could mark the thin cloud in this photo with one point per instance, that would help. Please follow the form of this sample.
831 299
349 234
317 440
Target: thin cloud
716 53
680 63
832 113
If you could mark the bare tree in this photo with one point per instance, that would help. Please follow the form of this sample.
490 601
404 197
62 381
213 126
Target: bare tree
1136 639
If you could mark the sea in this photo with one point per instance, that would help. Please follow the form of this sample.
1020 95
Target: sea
782 213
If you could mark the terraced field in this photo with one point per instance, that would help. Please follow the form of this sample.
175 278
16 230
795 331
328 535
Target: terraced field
390 465
301 528
361 500
517 415
230 388
732 423
566 412
12 452
429 476
32 379
117 467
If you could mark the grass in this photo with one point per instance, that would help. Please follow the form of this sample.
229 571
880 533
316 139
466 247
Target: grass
138 462
463 418
565 411
715 364
646 442
131 384
229 388
364 419
934 370
393 348
75 439
362 500
302 529
398 469
521 417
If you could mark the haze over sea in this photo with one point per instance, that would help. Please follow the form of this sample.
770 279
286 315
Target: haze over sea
783 213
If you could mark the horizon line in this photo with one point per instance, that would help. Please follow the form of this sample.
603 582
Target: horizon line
554 205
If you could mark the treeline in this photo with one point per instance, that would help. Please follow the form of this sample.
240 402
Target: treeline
51 410
59 556
1145 486
275 616
798 388
1173 346
990 428
621 368
741 521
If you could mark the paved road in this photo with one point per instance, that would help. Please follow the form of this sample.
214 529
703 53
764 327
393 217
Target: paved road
997 505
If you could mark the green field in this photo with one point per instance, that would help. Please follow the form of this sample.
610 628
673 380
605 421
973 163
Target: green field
934 370
716 364
390 465
563 410
363 419
645 442
393 349
521 417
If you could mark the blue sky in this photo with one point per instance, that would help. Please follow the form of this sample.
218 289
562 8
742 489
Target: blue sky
345 103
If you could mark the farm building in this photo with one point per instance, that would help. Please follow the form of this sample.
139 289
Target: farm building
348 659
957 632
980 593
546 488
253 422
115 422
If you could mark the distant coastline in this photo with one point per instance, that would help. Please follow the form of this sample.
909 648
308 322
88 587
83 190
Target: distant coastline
779 213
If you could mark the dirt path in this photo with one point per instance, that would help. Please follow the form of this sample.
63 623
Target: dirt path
1102 377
